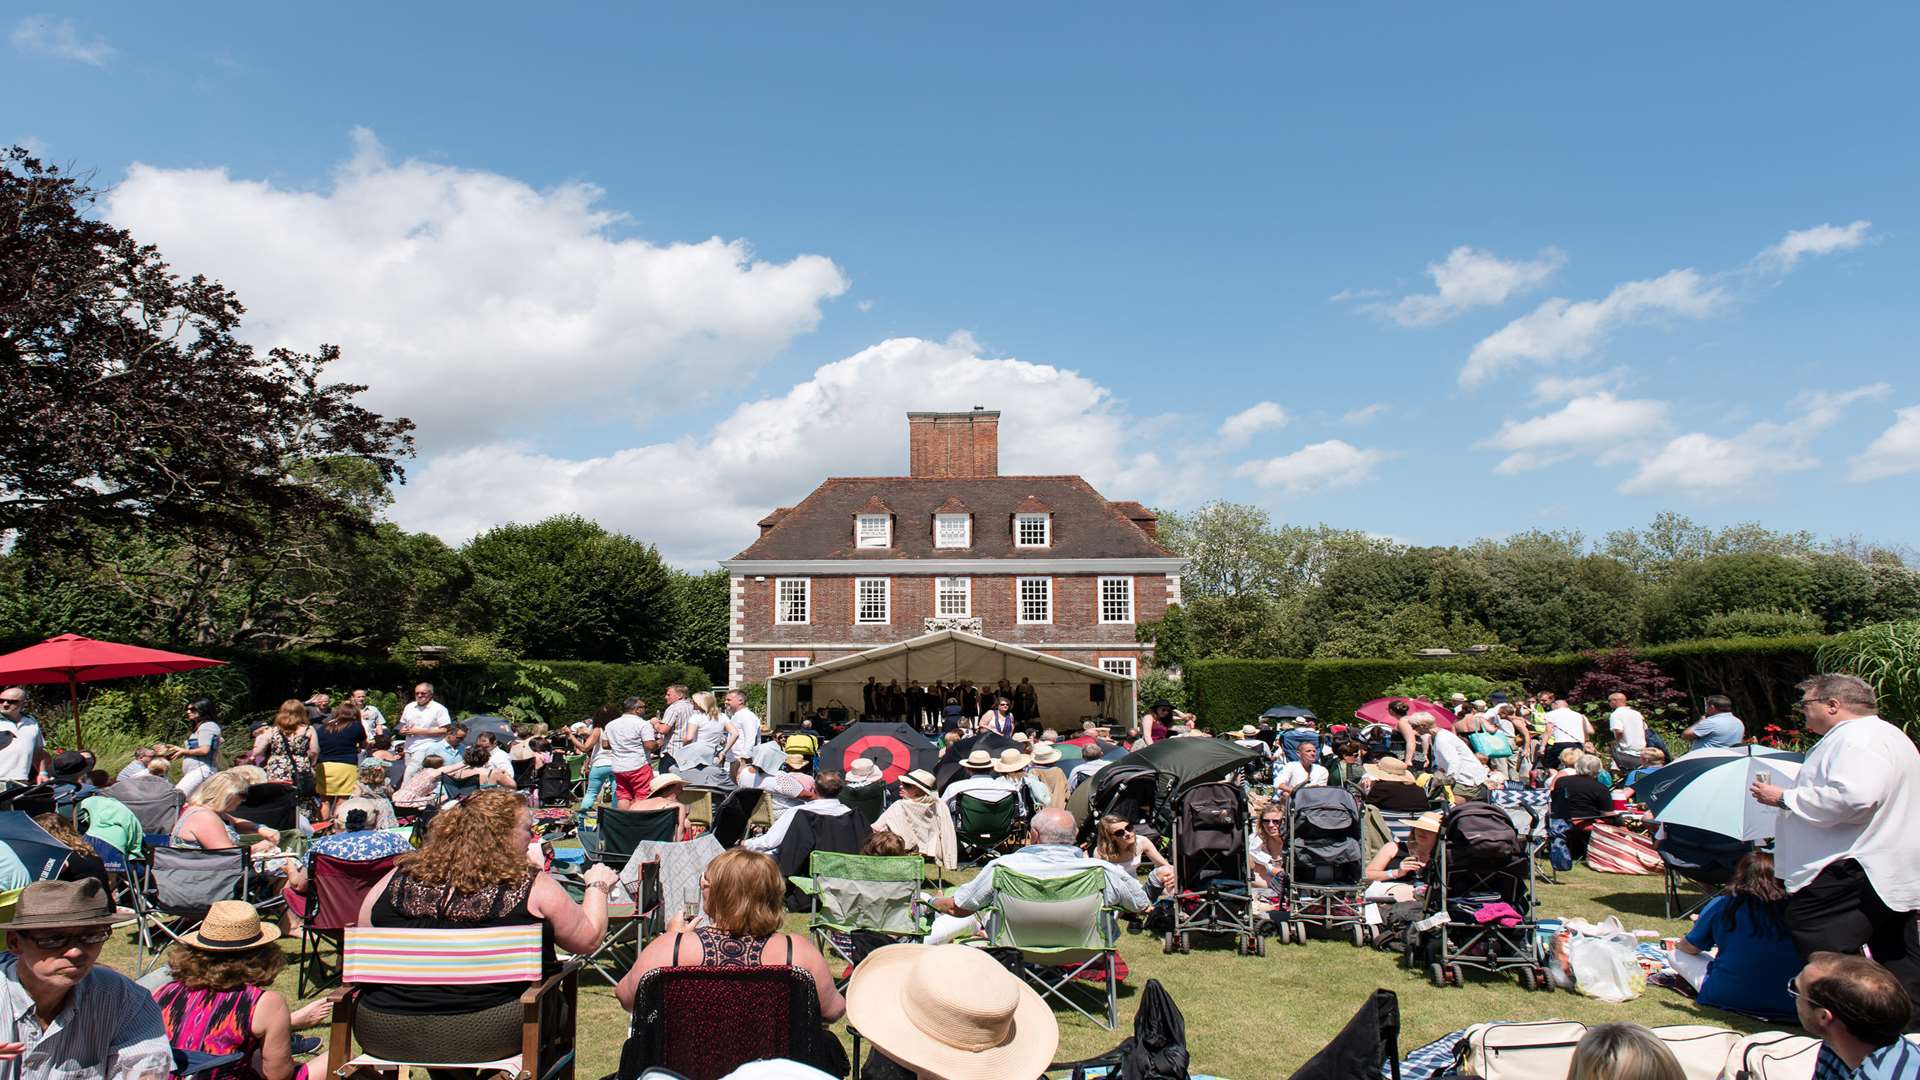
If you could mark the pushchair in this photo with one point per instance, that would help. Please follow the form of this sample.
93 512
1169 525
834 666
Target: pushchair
1325 876
1480 903
1210 892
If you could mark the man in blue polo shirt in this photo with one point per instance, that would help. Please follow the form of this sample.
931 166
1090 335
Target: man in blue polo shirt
1719 727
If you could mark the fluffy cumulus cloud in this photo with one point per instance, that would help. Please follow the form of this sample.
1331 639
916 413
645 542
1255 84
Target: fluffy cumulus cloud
1469 279
1252 420
1561 329
1819 240
473 302
1315 467
698 497
1551 388
43 35
1601 426
1709 466
1895 452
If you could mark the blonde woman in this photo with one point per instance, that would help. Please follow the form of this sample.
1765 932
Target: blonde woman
706 726
1623 1052
1117 843
207 823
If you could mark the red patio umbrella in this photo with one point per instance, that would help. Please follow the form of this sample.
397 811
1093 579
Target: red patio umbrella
73 659
1375 711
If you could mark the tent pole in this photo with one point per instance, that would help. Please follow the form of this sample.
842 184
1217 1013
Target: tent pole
73 703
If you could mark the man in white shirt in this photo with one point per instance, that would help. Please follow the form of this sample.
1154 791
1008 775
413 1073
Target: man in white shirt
625 743
372 720
994 778
1469 778
1565 728
1629 733
743 728
23 750
1050 853
423 723
826 801
1303 771
1847 835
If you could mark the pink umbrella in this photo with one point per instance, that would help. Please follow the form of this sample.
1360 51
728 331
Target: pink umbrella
1375 711
73 659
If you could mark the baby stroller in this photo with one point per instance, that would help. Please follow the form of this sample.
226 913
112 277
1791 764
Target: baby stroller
1325 866
1480 891
1210 893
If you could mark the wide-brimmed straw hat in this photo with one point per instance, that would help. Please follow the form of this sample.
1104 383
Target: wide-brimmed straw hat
951 1011
1390 768
1427 822
1248 731
864 771
979 759
231 926
61 905
1045 754
1011 760
796 761
919 778
667 780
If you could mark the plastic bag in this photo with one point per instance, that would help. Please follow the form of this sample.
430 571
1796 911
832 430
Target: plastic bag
1607 967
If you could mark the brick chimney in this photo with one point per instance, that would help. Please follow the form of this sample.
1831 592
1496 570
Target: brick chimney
947 444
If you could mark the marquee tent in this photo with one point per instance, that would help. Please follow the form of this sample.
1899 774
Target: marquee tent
1063 686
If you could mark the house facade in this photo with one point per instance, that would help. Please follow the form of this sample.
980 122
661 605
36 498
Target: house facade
1044 562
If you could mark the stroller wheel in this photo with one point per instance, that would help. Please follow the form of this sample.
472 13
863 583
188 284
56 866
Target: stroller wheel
1359 936
1541 982
1167 944
1436 974
1452 972
1259 945
1526 979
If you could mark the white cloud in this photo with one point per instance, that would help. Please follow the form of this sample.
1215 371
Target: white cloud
1345 295
1364 414
1706 466
698 497
1551 388
1895 452
864 306
1819 240
1330 464
58 38
1470 279
473 302
1252 420
1562 329
1601 425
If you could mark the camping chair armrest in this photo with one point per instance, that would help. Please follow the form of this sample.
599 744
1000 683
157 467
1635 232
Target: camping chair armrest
804 884
548 1022
340 1032
533 994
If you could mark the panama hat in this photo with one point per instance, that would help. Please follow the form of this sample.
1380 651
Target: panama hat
951 1011
1427 822
919 778
979 759
796 761
864 771
1390 768
667 780
61 905
1248 731
230 926
1045 754
1011 760
1456 697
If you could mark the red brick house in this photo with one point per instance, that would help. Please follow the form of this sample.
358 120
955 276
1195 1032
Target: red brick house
1045 563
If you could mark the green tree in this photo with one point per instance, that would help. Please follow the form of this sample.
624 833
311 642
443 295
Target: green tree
1544 595
1717 585
702 604
567 589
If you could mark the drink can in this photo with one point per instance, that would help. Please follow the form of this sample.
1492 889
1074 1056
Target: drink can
1669 944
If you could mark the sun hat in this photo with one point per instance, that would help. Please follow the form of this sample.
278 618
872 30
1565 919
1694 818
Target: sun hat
1479 704
1045 754
1427 822
60 905
979 759
1022 737
1456 697
919 778
1248 731
951 1011
796 761
667 780
1390 768
230 926
864 771
1011 760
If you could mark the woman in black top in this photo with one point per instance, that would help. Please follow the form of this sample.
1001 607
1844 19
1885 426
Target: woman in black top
1576 797
339 740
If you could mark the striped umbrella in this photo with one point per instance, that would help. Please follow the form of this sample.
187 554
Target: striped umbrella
1708 790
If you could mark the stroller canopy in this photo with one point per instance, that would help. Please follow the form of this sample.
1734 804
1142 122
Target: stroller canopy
1175 764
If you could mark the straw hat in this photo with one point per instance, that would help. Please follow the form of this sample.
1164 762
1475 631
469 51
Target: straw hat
979 759
1248 731
667 780
951 1011
1457 698
62 905
1390 768
1011 760
1022 737
1427 822
1045 754
919 778
864 771
796 761
231 926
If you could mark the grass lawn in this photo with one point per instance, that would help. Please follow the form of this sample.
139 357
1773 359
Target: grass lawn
1251 1017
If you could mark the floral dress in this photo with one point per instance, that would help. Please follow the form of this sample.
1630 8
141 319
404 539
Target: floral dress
286 756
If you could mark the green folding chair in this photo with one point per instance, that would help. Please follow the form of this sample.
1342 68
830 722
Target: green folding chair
1061 927
874 894
982 825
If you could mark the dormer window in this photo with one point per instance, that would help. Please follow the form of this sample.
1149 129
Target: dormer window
952 530
1032 530
873 531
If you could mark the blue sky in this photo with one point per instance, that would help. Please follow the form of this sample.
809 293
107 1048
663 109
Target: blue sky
1184 253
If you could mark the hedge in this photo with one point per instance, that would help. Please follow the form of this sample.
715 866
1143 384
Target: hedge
1758 673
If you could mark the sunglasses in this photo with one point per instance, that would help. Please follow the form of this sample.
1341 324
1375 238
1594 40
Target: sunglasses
13 701
61 942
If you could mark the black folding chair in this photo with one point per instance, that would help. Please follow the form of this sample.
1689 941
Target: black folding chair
621 831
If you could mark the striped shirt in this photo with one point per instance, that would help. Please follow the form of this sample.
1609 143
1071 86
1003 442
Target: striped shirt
1897 1061
109 1027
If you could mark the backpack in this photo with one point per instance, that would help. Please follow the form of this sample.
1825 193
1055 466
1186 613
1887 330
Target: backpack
1157 1049
1481 835
554 782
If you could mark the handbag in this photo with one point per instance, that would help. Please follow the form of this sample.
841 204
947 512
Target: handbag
1491 743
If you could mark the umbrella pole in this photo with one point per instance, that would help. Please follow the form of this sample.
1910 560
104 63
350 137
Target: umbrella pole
73 703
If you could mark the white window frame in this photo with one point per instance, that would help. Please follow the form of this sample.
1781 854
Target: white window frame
1020 601
1128 666
965 586
1046 530
966 530
1100 597
784 664
886 601
780 603
885 537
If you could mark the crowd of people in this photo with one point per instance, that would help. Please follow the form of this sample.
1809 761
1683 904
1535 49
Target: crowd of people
1820 928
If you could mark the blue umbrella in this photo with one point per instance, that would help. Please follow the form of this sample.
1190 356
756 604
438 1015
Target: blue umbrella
39 851
1708 790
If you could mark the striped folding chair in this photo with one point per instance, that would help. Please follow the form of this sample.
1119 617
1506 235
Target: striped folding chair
390 956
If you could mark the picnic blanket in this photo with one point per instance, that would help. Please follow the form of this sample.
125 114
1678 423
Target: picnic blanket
1432 1059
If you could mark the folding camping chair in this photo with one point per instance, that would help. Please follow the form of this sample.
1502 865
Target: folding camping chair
982 825
185 882
155 806
766 1013
335 890
619 831
272 805
861 894
699 804
1061 927
423 957
635 914
739 813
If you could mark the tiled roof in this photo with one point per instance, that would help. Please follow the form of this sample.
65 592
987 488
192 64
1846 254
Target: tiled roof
1085 524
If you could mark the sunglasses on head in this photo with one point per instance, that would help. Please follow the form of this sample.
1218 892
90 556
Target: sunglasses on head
60 941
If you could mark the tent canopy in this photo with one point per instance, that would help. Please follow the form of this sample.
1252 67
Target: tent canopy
955 656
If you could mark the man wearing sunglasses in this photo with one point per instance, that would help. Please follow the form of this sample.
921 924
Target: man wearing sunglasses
1856 1008
1846 837
60 1014
23 751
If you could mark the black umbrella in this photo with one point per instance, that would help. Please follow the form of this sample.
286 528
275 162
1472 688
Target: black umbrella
39 851
896 748
1189 761
1288 712
950 767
